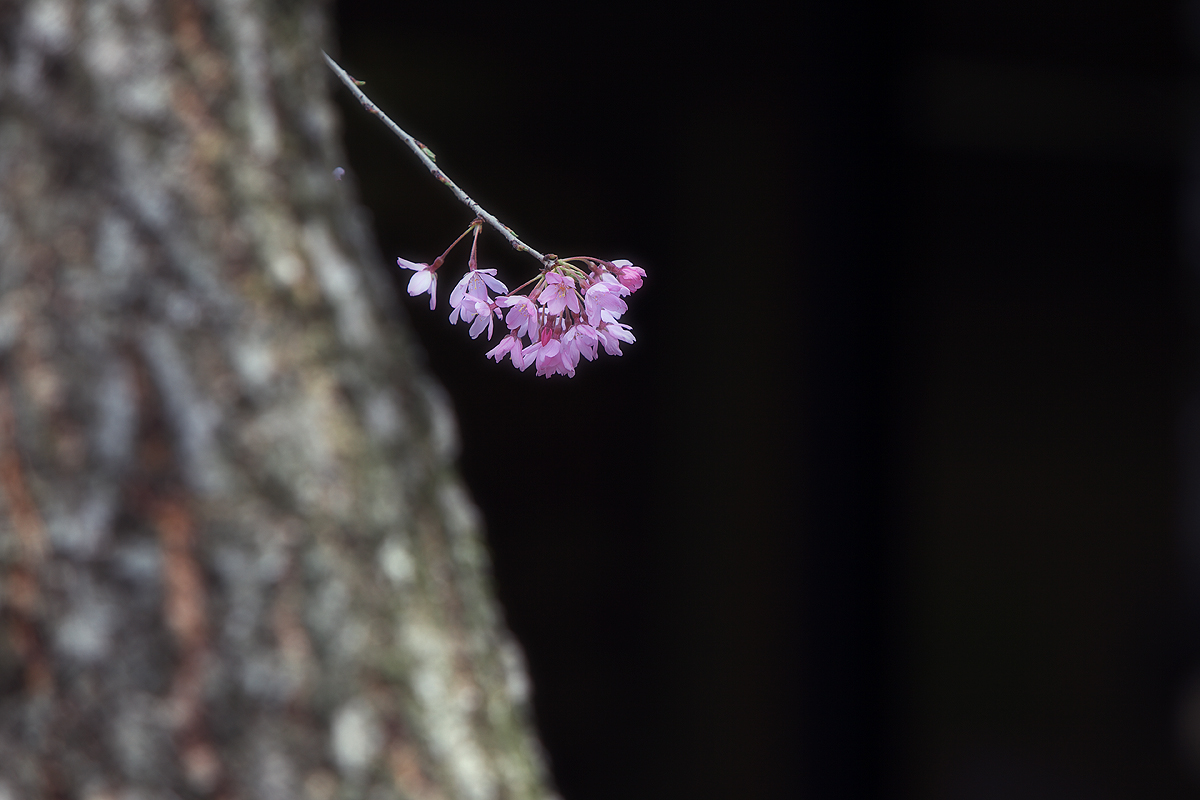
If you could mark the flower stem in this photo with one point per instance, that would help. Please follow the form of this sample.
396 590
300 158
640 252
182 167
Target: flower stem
474 226
422 153
511 292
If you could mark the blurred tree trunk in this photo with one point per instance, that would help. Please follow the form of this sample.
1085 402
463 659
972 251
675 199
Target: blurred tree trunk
235 560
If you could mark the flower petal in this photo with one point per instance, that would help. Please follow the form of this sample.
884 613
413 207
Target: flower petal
419 283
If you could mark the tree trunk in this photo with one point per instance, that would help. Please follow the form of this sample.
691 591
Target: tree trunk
235 558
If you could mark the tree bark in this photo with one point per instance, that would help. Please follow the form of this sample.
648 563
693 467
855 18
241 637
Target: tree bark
235 558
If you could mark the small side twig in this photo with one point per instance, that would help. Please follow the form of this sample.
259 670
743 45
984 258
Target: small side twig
423 154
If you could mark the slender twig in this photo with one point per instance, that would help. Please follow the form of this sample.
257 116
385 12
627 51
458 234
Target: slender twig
423 154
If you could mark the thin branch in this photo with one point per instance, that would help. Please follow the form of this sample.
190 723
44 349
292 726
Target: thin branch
423 154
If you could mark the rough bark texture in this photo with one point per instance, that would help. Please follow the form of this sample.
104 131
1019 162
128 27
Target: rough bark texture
235 559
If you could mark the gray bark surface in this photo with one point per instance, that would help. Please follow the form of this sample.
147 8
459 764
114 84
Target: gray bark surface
235 558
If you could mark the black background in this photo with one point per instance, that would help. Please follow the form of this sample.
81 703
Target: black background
884 502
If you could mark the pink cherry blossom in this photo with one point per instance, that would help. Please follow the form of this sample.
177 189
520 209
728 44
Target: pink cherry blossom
571 350
509 346
476 282
478 311
424 281
522 315
612 333
550 360
559 294
529 354
604 296
629 275
585 339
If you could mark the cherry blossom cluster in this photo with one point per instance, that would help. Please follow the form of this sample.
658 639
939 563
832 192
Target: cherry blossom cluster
572 309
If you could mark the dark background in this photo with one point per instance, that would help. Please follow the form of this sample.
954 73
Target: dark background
892 496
